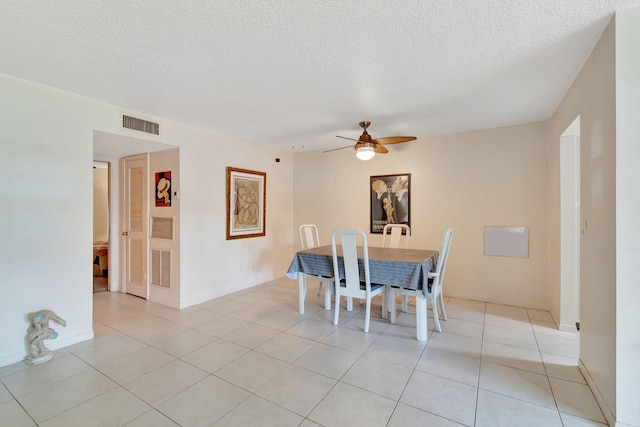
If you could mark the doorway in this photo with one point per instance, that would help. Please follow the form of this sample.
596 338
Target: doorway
100 226
112 149
570 228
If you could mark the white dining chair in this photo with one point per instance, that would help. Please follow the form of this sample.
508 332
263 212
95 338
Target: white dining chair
309 239
396 236
434 282
350 284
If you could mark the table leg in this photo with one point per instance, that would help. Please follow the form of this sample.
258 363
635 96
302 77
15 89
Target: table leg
302 291
391 300
421 316
327 295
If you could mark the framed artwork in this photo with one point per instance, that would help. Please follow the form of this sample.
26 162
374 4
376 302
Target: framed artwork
390 197
246 207
163 189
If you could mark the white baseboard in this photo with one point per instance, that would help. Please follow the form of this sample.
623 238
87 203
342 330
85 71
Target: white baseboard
209 297
51 345
553 316
12 358
608 415
56 344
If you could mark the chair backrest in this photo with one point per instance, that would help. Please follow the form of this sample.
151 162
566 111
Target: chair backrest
395 233
309 236
351 277
436 287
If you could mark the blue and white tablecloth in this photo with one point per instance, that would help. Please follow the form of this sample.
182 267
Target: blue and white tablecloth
403 268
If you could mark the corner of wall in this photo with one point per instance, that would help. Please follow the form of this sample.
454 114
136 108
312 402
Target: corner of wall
608 414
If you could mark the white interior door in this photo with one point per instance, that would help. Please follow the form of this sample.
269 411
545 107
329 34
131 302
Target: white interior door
136 225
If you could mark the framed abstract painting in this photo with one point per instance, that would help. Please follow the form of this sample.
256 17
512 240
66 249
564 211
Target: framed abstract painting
246 203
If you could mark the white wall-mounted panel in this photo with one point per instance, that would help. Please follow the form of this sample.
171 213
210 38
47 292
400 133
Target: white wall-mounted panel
506 241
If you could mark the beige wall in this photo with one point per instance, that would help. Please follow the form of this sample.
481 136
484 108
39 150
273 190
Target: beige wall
605 95
592 97
465 181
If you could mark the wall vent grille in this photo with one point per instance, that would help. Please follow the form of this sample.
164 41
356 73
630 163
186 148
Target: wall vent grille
141 125
161 268
161 228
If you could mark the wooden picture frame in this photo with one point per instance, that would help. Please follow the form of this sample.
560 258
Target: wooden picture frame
246 203
390 197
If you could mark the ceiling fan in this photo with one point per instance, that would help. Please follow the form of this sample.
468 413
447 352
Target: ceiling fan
367 147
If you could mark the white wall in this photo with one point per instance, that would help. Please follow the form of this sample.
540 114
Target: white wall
46 157
627 209
46 209
210 265
465 181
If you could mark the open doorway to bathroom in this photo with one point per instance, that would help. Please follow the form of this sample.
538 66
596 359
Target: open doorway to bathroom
100 226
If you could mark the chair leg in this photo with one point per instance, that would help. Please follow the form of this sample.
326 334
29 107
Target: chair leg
367 316
404 303
319 288
421 317
442 310
434 308
337 307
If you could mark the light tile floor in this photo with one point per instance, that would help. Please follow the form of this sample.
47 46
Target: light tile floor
249 359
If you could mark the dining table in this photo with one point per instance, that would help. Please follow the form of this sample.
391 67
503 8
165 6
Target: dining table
393 267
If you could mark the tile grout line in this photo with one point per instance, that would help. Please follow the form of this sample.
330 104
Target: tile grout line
475 412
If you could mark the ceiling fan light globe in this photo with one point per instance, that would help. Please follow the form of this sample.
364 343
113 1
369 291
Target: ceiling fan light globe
365 153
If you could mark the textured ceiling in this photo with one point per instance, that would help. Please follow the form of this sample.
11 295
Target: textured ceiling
294 74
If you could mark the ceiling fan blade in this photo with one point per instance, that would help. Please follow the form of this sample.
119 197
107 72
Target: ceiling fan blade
394 139
380 149
344 137
336 149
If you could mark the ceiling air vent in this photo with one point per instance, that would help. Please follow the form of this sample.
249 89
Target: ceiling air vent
140 125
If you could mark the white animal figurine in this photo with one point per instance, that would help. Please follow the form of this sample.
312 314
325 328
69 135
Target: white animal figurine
39 330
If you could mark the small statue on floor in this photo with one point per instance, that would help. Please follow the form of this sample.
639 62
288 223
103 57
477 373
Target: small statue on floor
39 331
